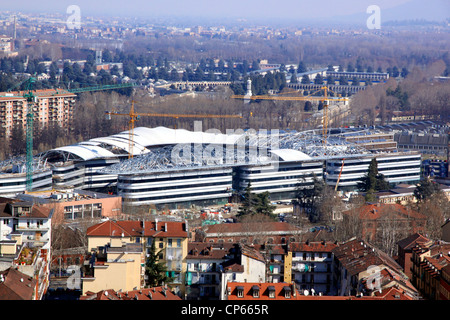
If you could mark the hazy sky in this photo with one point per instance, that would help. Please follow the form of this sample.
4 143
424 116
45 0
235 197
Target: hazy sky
246 9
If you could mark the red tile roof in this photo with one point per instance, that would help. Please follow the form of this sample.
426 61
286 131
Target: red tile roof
135 228
259 227
155 293
356 256
412 240
264 288
324 246
378 210
16 285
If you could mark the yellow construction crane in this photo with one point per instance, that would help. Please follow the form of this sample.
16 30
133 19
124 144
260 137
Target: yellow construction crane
134 116
325 99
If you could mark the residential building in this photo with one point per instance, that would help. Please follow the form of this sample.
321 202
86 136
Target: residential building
312 266
117 265
204 268
250 233
444 285
404 252
15 285
30 220
379 217
51 106
6 45
427 261
446 231
276 261
25 240
170 238
250 266
358 267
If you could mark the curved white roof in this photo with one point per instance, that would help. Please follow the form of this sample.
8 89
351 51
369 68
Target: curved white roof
160 136
87 152
290 154
122 144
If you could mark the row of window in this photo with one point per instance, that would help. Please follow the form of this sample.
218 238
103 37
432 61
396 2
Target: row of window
18 183
359 163
125 180
296 177
188 195
381 170
343 179
225 184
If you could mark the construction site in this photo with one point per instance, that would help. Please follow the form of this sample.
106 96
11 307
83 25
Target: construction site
167 166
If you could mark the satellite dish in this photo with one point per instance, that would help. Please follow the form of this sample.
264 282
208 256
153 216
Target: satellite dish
306 293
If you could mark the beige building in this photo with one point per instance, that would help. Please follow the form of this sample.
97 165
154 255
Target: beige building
118 266
51 106
170 238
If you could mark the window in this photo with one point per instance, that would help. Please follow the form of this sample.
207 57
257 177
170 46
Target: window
179 243
255 291
240 292
287 292
271 292
169 243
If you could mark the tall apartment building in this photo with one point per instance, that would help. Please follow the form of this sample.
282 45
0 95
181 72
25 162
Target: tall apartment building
51 106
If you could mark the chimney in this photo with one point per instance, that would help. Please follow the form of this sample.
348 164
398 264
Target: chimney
165 227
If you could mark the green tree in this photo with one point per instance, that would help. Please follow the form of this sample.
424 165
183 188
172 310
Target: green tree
155 271
318 79
294 77
426 189
248 202
305 79
373 181
301 67
311 197
263 205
